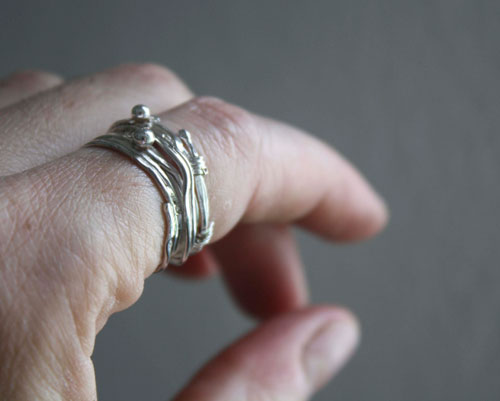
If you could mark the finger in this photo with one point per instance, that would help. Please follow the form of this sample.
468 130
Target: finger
60 120
24 84
104 209
90 224
251 179
262 268
287 358
264 170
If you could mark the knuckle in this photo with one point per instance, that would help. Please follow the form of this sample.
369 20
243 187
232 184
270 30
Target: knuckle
232 129
34 78
128 289
150 73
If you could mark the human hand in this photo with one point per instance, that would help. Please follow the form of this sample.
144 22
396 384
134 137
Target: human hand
81 228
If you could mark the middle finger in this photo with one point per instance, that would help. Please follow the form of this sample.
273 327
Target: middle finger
62 119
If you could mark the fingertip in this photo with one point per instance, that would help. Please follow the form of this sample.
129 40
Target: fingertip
288 357
380 217
364 212
329 348
350 211
370 215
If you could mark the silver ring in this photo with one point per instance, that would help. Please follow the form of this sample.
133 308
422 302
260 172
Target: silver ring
179 172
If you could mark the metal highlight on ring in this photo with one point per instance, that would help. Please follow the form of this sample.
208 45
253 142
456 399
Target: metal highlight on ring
173 163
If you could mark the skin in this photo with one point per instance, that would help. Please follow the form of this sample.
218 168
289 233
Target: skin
82 228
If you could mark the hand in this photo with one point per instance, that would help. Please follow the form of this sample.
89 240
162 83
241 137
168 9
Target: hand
81 228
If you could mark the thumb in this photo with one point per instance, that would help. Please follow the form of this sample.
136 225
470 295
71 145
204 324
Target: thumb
286 358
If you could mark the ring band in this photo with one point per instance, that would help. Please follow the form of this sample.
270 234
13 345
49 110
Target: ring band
179 173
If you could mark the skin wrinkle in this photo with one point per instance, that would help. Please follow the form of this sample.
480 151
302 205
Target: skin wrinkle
84 350
23 121
54 214
126 228
65 350
130 283
14 245
135 206
101 197
87 299
262 146
17 217
50 319
234 127
225 130
260 204
87 184
28 358
126 234
57 230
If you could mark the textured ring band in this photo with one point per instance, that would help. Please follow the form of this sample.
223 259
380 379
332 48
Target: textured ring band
179 173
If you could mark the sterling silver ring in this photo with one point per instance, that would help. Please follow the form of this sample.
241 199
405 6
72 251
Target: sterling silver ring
173 163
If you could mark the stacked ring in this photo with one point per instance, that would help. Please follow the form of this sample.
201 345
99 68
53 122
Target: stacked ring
179 172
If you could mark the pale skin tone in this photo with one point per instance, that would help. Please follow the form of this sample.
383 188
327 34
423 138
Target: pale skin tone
82 228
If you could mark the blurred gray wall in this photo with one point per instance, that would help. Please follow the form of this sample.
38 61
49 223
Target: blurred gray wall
409 91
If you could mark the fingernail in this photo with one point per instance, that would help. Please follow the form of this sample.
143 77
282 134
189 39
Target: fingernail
328 349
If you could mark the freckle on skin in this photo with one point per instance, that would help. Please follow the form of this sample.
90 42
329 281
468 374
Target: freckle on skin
69 103
27 225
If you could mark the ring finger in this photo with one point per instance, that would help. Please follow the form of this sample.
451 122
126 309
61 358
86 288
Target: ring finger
107 211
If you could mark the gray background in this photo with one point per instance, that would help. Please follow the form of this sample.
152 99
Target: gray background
409 91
